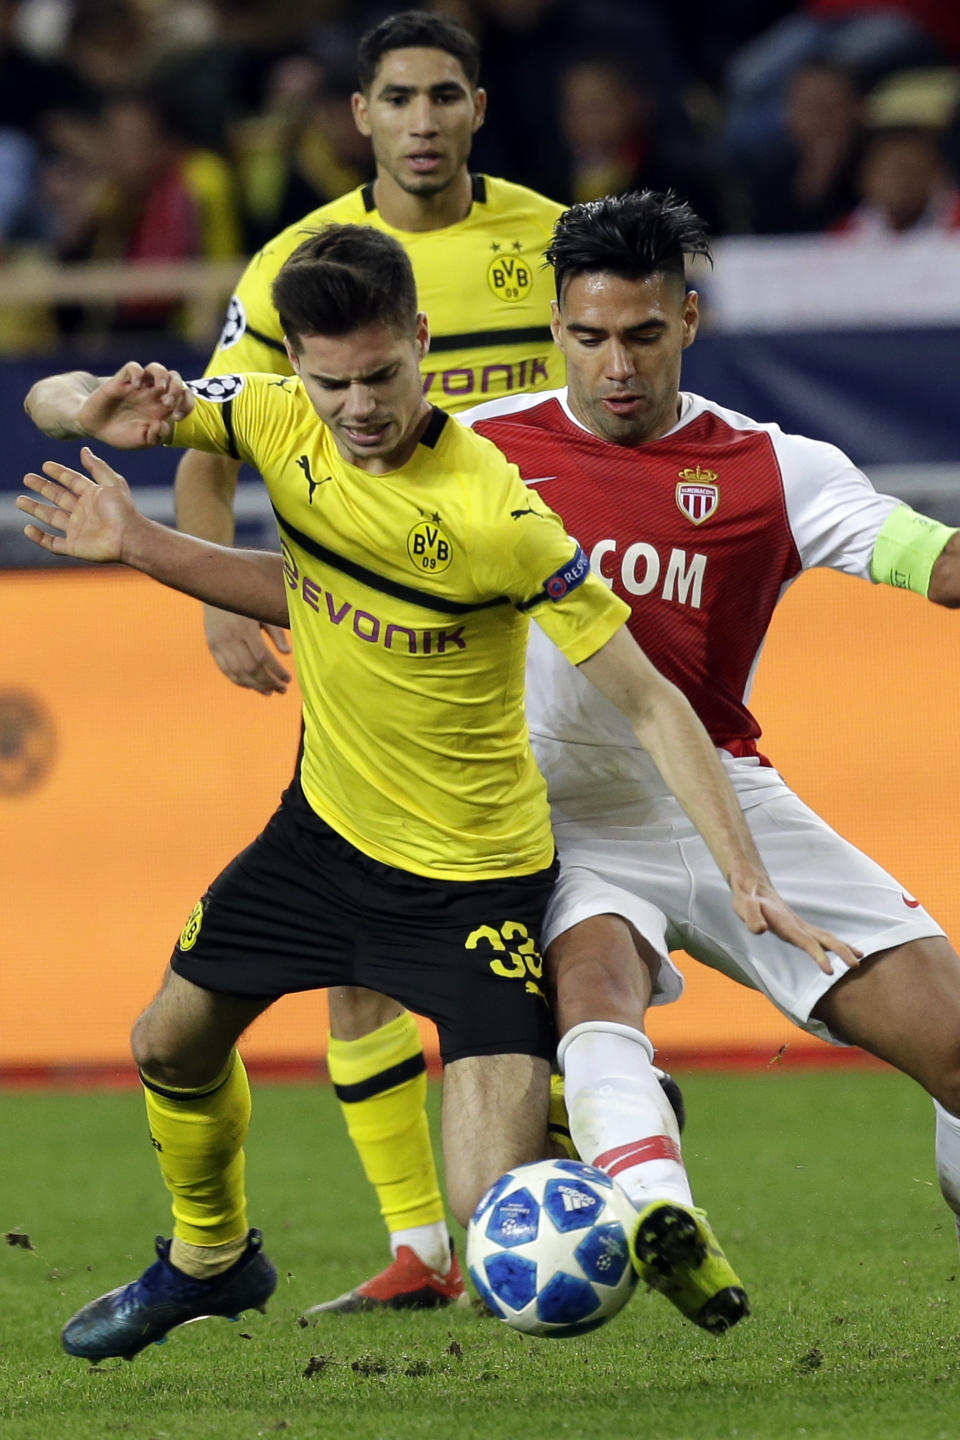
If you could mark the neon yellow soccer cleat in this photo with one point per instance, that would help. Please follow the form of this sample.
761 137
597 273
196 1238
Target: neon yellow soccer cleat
675 1251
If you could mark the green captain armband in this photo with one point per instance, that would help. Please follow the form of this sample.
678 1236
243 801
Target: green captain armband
907 549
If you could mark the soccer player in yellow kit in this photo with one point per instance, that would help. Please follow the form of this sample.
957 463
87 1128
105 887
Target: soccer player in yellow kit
412 853
476 245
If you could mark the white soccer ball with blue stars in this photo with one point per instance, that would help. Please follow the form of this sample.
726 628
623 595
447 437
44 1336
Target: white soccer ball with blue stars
547 1248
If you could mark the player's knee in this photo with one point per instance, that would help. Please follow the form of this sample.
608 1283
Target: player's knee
596 986
163 1059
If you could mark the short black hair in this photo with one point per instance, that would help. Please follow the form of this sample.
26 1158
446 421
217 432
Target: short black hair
645 232
420 29
343 277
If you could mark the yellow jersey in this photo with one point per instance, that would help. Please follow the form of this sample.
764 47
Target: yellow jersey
480 281
409 597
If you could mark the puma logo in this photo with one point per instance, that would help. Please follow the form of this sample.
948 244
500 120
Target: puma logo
304 464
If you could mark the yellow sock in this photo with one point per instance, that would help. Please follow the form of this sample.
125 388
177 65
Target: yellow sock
558 1122
381 1083
198 1136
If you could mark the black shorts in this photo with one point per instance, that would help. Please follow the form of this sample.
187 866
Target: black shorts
303 909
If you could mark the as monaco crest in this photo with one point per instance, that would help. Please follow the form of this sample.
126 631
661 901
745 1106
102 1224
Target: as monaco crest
697 495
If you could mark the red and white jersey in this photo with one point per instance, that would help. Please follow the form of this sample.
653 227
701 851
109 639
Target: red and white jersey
701 532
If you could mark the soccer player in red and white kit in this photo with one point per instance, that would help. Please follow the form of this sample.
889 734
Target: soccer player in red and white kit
700 519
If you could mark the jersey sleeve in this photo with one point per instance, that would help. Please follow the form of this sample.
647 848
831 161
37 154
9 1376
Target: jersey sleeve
229 417
251 338
834 512
532 560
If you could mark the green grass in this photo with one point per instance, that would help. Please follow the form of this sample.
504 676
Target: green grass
820 1186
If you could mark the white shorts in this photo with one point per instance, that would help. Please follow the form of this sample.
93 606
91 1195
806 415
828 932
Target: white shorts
658 874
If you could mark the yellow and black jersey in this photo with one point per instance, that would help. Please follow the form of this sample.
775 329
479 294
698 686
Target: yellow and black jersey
409 598
480 281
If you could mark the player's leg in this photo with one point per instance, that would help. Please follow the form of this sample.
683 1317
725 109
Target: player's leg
198 1108
602 973
904 1006
902 1003
263 929
494 1117
379 1074
465 954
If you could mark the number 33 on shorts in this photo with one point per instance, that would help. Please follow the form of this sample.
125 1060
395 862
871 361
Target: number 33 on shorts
512 960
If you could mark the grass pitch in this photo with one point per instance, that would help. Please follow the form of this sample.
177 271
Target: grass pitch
820 1186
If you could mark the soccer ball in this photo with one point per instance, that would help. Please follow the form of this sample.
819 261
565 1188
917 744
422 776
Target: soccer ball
547 1248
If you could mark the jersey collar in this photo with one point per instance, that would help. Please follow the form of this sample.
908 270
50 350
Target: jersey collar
478 193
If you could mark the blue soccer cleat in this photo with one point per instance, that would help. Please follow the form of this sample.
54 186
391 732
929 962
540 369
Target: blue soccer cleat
124 1321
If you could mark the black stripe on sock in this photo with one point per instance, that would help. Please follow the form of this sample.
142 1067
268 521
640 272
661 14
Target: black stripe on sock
185 1095
384 1080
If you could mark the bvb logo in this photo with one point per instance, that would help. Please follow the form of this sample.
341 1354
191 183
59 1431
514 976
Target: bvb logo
509 277
27 742
190 931
428 548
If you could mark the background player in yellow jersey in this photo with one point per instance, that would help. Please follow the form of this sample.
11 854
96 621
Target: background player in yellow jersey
412 853
476 245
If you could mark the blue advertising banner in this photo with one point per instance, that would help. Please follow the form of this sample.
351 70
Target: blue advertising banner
882 396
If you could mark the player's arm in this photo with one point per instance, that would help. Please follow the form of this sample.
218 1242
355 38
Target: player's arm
913 552
138 407
204 489
205 485
839 520
667 727
944 586
133 409
96 519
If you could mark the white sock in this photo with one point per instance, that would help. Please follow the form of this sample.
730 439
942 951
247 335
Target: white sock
620 1119
948 1158
430 1242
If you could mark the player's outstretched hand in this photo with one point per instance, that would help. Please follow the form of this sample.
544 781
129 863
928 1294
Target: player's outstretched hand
238 646
762 909
92 516
137 407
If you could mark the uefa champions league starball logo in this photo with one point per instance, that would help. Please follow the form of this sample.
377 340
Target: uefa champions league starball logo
234 325
217 388
548 1248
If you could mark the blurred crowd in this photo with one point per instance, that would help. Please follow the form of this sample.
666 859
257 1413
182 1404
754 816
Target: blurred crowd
169 129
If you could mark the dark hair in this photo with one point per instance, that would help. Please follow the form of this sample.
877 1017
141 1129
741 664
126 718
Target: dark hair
342 277
420 29
645 232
